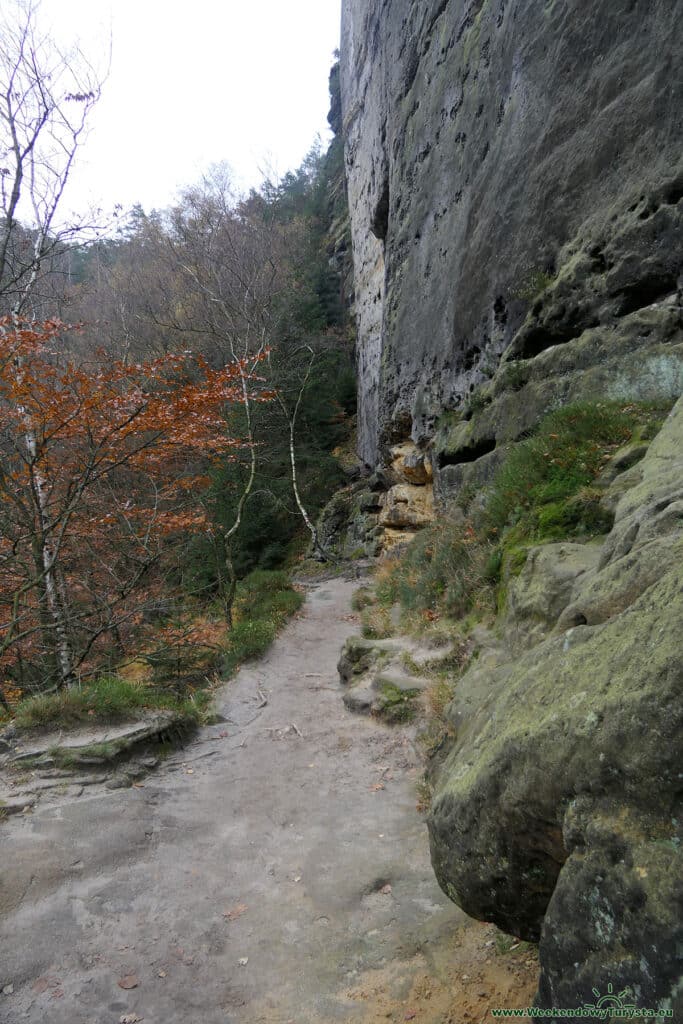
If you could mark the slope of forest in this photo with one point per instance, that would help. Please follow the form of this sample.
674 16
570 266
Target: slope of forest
173 389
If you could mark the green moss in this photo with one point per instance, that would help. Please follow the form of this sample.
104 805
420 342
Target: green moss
514 559
471 41
70 757
603 681
396 705
533 285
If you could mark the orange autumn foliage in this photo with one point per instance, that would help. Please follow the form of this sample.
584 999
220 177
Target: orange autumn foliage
101 469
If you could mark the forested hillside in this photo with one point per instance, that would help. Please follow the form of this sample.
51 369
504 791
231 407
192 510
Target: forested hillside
173 387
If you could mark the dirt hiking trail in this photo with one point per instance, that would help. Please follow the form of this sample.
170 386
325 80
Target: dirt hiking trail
275 870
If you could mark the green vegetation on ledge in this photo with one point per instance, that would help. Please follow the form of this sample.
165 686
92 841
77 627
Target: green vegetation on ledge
544 487
265 600
105 700
545 491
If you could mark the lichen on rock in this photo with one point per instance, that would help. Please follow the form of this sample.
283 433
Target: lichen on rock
556 813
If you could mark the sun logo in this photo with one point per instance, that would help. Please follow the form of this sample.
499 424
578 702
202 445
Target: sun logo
612 999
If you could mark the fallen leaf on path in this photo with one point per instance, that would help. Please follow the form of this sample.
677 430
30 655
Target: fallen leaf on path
232 915
411 1015
162 974
385 890
376 788
128 981
8 990
130 1018
190 771
243 961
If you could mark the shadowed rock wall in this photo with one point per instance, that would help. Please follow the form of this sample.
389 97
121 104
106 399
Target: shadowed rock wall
483 136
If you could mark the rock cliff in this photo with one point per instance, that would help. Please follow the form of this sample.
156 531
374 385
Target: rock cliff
516 194
511 164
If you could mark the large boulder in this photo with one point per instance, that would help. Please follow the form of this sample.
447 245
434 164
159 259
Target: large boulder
541 592
557 813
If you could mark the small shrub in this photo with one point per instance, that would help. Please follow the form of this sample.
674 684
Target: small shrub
362 598
476 402
376 624
535 283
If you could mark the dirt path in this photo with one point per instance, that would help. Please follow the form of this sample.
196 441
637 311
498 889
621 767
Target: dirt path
275 871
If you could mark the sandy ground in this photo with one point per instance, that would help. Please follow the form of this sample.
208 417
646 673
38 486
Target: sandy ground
274 871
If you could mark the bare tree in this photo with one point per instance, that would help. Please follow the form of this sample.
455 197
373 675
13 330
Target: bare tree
289 402
46 97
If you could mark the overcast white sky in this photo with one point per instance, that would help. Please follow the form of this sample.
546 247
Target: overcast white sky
198 82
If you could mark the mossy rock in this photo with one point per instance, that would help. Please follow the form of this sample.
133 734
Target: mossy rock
395 704
359 654
552 814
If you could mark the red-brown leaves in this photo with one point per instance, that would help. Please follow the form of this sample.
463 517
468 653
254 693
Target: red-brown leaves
100 467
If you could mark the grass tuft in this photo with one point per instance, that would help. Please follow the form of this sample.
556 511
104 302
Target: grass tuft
544 488
376 624
104 700
265 600
362 598
443 572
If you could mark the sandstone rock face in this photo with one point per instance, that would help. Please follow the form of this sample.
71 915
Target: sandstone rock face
512 177
410 464
544 588
383 512
407 506
558 811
